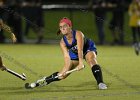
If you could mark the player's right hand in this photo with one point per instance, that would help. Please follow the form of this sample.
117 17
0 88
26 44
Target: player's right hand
2 68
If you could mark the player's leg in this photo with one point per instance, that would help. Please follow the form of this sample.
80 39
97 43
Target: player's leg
96 69
136 31
54 77
139 38
137 48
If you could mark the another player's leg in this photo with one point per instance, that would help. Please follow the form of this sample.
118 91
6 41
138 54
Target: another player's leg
136 38
137 48
96 69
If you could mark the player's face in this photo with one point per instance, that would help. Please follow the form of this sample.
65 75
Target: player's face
64 28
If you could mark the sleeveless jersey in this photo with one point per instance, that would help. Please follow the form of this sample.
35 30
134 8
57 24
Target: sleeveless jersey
73 51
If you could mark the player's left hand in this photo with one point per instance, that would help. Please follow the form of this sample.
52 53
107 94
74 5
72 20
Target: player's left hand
80 66
2 67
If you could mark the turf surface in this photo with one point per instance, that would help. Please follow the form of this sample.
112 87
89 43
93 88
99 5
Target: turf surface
120 68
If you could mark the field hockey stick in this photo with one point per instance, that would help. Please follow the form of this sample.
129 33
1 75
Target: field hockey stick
21 76
70 71
32 85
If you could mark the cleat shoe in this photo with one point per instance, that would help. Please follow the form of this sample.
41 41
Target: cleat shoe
41 82
102 86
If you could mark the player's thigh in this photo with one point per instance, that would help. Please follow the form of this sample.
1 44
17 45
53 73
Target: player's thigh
91 58
74 63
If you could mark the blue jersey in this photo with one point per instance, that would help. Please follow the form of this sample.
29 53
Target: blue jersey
73 51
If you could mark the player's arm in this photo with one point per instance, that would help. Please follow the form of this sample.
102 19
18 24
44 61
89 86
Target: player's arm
8 29
66 56
80 44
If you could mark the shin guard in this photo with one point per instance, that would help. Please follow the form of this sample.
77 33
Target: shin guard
96 70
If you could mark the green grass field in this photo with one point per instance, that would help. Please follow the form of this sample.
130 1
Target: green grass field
120 68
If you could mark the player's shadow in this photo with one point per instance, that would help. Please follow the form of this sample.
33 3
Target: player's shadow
86 86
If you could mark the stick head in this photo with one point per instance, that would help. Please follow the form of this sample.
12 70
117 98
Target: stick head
27 86
23 77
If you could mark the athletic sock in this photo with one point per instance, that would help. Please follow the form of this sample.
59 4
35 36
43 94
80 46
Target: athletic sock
52 78
96 70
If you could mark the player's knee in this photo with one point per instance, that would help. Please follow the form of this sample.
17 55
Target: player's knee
92 61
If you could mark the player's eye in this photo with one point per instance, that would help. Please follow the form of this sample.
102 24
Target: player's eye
64 26
60 27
